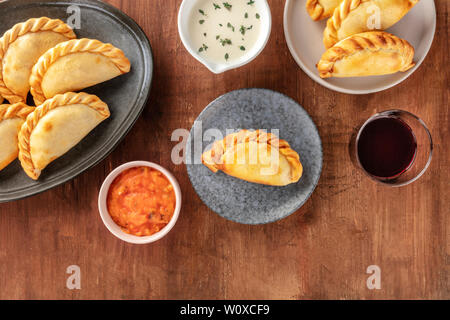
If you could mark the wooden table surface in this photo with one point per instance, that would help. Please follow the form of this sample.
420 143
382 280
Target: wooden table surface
320 252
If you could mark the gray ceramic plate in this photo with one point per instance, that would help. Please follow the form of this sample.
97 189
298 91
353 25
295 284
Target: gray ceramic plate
126 95
245 202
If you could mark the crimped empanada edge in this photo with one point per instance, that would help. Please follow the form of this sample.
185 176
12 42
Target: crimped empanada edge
315 10
16 110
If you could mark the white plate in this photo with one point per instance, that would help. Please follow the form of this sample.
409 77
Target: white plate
304 38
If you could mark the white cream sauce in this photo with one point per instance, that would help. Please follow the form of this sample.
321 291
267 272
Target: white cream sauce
224 31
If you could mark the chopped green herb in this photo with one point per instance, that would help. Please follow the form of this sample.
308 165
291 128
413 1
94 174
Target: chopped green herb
246 15
204 47
227 56
217 37
251 2
242 29
204 34
216 6
257 16
242 48
201 21
202 12
227 5
229 25
220 24
224 42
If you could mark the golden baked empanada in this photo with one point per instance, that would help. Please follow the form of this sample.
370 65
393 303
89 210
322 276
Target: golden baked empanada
255 156
367 54
20 49
357 16
321 9
57 126
12 118
75 65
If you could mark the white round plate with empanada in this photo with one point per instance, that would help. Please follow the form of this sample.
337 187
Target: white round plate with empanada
304 38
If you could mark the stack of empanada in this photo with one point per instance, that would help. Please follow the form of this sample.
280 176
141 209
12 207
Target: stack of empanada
43 56
355 44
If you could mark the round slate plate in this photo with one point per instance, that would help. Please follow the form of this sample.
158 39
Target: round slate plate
238 200
126 95
305 41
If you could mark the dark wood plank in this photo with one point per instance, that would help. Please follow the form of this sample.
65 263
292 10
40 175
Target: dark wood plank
320 252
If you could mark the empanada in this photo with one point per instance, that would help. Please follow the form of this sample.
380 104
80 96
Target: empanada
321 9
12 118
20 49
57 126
357 16
255 156
75 65
367 54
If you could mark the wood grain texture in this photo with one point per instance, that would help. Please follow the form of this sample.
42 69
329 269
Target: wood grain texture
321 252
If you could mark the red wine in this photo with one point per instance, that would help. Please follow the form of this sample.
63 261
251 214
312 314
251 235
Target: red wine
386 147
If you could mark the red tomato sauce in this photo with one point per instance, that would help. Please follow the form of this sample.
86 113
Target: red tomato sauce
141 201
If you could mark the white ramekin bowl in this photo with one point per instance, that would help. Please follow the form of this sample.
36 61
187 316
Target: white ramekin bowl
109 222
184 15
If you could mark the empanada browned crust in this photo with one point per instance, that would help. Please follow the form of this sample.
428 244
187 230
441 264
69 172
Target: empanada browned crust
20 49
353 16
55 127
321 9
255 156
12 118
367 54
75 65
